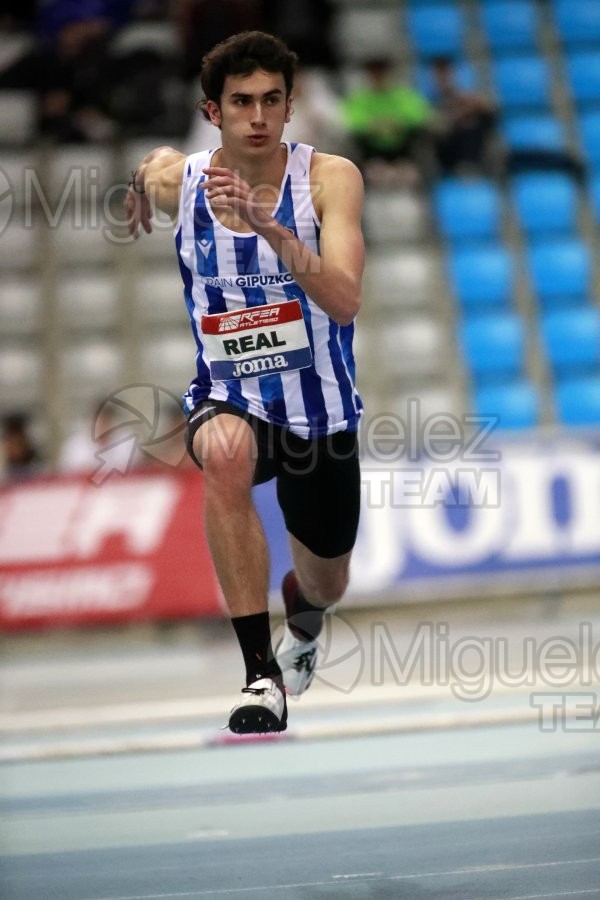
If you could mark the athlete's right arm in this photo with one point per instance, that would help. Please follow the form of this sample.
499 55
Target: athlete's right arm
156 182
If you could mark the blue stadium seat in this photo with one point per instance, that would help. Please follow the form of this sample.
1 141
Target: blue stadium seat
578 401
517 403
510 25
522 82
577 21
571 340
560 270
481 278
595 195
493 346
545 203
589 126
535 132
436 30
583 70
467 210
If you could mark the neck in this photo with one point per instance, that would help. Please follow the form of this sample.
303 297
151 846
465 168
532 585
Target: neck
268 170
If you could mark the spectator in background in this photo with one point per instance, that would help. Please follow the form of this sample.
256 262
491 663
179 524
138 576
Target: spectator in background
70 67
465 120
388 123
19 454
86 91
75 66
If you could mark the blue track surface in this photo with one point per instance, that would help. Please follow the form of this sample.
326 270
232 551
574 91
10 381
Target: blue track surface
506 812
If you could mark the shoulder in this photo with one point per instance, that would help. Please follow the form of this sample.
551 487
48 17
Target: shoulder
326 165
193 163
335 180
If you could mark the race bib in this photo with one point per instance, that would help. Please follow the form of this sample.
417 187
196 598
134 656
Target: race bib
258 341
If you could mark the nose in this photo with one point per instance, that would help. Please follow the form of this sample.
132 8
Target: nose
258 117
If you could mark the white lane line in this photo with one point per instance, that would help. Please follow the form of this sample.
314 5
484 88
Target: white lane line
67 748
152 710
359 875
168 710
207 835
262 887
500 867
539 896
469 870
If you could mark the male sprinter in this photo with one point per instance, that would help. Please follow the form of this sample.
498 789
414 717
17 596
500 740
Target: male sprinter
271 255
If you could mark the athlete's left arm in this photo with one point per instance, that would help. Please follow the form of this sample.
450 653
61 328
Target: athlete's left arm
332 278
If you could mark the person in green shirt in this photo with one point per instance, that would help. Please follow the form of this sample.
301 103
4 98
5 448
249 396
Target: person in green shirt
385 120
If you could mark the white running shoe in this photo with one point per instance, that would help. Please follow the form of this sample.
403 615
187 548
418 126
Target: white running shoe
262 710
297 660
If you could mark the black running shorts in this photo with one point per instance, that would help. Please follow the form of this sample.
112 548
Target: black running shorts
318 481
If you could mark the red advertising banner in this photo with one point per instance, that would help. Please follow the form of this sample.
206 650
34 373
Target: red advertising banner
132 549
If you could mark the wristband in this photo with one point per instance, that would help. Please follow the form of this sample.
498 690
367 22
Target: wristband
133 185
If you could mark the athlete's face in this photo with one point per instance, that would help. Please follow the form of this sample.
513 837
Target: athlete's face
252 112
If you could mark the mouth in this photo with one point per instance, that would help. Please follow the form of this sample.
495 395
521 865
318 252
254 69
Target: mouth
257 139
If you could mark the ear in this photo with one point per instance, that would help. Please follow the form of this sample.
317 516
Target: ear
214 113
289 109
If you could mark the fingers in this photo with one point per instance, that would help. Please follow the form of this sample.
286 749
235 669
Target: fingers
133 226
132 219
225 189
138 212
221 191
219 177
221 200
217 181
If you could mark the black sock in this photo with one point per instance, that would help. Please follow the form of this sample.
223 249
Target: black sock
254 634
304 620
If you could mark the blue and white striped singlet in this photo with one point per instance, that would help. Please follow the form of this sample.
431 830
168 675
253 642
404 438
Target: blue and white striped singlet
219 268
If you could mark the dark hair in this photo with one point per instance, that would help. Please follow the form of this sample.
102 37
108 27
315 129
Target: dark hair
243 54
15 423
442 61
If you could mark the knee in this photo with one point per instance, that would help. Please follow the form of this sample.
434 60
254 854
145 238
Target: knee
226 474
326 588
227 450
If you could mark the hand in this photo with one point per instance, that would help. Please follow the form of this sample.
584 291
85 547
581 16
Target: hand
139 212
228 191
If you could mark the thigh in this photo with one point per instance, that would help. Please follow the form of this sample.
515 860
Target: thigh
218 428
320 499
